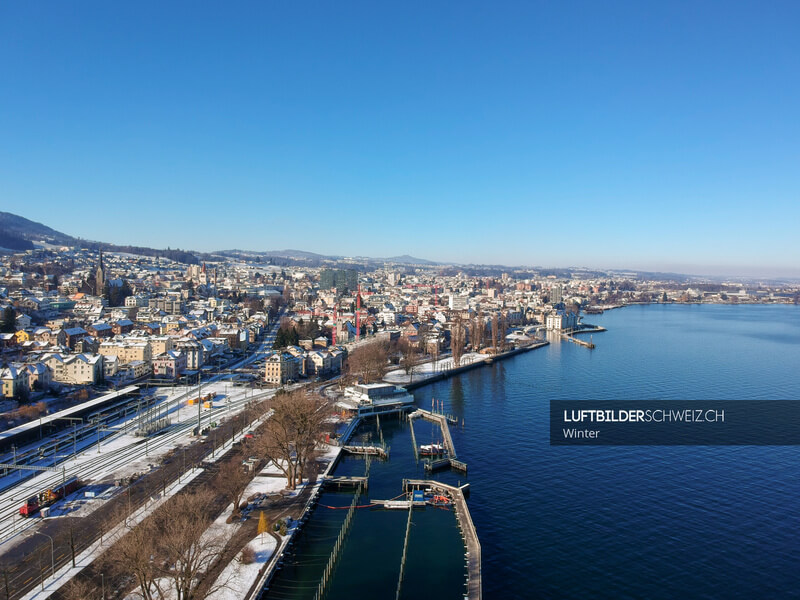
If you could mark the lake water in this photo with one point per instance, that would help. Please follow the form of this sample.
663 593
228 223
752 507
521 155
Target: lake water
591 522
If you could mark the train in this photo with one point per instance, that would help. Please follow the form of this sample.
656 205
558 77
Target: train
35 503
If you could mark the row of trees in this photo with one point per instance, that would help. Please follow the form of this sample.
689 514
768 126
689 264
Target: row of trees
173 552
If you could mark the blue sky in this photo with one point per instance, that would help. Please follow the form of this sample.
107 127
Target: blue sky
624 134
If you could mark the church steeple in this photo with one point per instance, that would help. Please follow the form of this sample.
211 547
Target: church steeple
99 277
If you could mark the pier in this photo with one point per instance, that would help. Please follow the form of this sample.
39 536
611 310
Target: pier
340 482
442 421
589 344
443 463
379 451
470 536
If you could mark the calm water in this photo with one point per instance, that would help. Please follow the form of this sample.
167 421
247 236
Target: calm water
603 522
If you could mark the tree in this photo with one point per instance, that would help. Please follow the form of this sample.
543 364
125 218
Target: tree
184 548
368 362
408 354
263 527
291 433
132 556
79 588
495 332
457 339
232 482
477 328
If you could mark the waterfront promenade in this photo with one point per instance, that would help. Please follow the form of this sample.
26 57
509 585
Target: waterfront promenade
428 372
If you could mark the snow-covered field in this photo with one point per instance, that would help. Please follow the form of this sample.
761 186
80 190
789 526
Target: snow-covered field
429 369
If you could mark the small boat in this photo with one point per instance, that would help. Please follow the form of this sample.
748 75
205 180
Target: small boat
431 449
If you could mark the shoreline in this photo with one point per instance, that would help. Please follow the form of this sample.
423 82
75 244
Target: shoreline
490 358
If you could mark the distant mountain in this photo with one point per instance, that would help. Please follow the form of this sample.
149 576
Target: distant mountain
14 227
19 233
405 259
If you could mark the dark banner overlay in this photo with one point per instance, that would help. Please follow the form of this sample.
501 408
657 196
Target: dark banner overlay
674 422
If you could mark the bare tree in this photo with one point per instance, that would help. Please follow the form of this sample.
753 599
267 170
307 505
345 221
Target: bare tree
186 550
408 354
457 339
79 588
133 554
291 433
503 327
368 362
232 481
495 332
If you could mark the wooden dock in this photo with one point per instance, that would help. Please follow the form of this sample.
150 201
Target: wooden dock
471 543
445 463
379 451
340 482
442 421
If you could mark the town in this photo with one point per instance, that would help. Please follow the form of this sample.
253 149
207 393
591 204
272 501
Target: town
102 350
75 322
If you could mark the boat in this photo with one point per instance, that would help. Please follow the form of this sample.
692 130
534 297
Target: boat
431 450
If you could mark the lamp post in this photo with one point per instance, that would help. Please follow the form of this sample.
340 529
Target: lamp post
52 554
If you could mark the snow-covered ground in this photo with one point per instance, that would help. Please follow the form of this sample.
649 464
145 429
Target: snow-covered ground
237 578
429 369
123 454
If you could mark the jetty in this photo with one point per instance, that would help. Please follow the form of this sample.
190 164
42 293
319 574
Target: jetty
469 535
442 421
379 451
352 481
450 461
589 344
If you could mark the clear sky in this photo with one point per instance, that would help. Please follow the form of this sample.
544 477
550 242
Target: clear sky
652 135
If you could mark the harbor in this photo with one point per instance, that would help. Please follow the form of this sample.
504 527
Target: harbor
335 556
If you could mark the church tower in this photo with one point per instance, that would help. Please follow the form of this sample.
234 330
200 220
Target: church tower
99 277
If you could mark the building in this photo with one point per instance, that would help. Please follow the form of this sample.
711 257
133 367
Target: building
373 398
556 294
458 302
79 369
281 367
13 381
73 335
561 321
194 352
172 305
169 364
135 369
127 351
100 330
344 280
